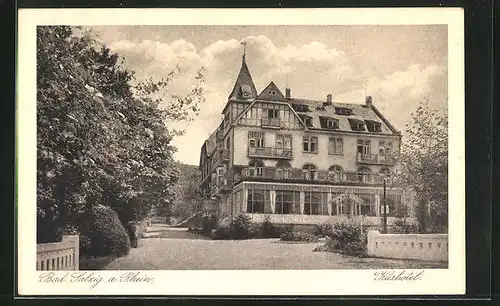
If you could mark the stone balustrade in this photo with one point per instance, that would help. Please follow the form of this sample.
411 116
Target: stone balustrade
62 255
430 247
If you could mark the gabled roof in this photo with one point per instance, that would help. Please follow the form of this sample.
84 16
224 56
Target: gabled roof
272 93
244 88
360 112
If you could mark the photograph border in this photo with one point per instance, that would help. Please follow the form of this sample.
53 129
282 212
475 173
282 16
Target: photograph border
245 271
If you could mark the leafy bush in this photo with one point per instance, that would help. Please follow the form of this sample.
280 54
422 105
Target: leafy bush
401 227
269 230
223 232
209 223
240 227
298 236
351 248
323 230
106 234
348 232
346 237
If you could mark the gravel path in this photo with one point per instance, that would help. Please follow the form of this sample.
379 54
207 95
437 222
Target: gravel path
175 249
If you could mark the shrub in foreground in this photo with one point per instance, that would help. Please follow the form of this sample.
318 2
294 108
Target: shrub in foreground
347 238
223 232
323 230
298 236
240 227
106 234
348 232
209 223
269 230
400 227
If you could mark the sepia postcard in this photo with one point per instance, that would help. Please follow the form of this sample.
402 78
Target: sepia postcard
241 152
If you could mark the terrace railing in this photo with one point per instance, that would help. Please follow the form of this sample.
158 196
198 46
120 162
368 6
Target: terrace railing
271 122
376 159
270 152
294 174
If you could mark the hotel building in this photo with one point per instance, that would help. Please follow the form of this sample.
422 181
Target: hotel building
299 161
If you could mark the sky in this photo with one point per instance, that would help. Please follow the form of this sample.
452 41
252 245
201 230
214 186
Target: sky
398 66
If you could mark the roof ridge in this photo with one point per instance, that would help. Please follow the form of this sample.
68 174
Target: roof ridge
244 78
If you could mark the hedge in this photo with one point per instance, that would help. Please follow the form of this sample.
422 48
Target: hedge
106 234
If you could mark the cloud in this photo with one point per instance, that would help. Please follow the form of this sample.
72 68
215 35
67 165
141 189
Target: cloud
398 94
312 70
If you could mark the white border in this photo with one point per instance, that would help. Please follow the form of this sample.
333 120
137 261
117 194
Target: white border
277 282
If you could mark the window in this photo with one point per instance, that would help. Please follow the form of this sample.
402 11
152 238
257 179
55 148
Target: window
307 120
284 141
313 203
385 148
287 202
310 144
335 173
329 123
283 170
373 126
300 107
343 111
228 142
256 139
332 124
367 208
273 113
246 91
364 175
356 124
255 201
335 145
255 168
310 172
364 146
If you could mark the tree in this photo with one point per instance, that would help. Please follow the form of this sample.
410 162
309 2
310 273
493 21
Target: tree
425 163
189 198
100 139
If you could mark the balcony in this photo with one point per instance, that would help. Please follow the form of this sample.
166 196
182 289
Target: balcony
271 122
270 152
375 159
293 174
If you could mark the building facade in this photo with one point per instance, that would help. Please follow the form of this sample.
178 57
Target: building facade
299 161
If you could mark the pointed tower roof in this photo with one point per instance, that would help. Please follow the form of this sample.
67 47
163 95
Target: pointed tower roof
244 88
272 93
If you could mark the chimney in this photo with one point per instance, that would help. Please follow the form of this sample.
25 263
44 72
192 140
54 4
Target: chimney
368 100
329 98
288 92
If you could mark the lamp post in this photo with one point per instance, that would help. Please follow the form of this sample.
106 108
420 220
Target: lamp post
385 205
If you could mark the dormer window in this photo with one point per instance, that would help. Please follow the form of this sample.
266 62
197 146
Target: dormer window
271 92
307 120
356 124
373 126
300 107
343 111
246 92
329 123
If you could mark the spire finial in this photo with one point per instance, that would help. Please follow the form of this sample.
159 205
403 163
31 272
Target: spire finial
244 43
